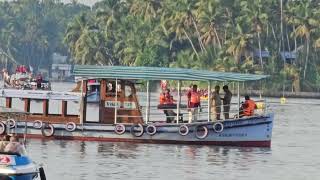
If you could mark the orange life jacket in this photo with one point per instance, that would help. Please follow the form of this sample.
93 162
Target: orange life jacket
250 105
195 97
162 99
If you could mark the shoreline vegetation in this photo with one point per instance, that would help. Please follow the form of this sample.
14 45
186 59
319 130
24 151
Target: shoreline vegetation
276 37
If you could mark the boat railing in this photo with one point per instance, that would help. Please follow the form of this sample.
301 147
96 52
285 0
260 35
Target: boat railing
202 112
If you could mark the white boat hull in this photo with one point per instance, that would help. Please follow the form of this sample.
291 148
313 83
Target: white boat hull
253 131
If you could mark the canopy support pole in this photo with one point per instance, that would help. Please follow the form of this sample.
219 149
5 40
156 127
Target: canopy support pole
116 103
81 104
209 100
148 103
238 100
179 101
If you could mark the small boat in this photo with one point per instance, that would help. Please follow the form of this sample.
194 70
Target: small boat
119 116
15 164
24 81
18 166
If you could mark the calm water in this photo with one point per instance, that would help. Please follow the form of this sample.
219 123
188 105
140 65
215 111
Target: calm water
294 154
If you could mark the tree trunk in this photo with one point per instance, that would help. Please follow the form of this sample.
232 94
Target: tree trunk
217 37
295 39
260 54
307 59
198 33
194 49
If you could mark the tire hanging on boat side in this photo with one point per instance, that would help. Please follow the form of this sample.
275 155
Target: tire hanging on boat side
218 127
151 130
133 131
37 124
46 126
119 129
2 128
183 130
199 127
70 126
11 123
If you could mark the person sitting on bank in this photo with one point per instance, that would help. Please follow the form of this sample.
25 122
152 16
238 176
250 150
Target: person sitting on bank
248 107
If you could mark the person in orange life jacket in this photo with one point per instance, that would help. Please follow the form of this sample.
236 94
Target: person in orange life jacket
193 103
166 98
248 107
162 98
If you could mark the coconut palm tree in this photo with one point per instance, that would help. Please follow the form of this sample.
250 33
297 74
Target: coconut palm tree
303 15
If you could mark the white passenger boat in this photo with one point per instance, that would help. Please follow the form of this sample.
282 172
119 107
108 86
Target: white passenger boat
120 117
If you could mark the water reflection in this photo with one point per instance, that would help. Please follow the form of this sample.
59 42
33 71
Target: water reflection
120 150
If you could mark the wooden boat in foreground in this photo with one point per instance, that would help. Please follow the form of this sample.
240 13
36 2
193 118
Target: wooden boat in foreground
119 115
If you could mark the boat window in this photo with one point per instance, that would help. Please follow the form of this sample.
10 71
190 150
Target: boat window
128 91
111 89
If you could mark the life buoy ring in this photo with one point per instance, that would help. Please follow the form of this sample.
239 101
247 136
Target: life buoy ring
37 124
200 128
151 130
218 127
70 126
119 129
137 133
183 130
11 123
2 128
45 127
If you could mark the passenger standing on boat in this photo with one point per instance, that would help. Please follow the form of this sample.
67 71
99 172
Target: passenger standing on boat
39 80
248 107
193 103
216 104
226 101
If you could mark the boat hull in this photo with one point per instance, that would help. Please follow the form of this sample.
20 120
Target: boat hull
22 169
248 132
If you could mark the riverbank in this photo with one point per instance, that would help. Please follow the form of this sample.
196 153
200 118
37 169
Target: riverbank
309 95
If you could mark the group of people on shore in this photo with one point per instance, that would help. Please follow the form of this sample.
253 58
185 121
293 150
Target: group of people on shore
194 103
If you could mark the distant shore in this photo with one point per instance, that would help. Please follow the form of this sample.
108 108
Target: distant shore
309 95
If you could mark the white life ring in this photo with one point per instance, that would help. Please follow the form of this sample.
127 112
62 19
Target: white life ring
198 128
183 130
2 128
45 127
134 131
11 123
70 126
37 124
151 130
218 127
119 129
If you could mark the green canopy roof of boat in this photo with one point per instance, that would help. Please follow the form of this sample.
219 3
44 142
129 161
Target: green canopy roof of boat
159 73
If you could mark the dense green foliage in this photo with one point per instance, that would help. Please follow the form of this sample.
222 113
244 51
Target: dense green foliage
32 30
222 35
